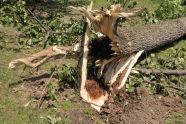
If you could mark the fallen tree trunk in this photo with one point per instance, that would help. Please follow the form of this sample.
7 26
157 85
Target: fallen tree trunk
111 70
130 40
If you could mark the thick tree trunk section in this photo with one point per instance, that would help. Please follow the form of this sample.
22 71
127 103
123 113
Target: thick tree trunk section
149 36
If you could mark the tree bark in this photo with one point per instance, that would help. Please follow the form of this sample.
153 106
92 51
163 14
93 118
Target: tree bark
157 71
149 36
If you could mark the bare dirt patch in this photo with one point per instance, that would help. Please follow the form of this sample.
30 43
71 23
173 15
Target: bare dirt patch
142 108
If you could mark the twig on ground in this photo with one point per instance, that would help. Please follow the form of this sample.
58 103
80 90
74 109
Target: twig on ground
42 98
177 88
163 72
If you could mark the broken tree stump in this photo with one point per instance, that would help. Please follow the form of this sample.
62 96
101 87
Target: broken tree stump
122 47
89 90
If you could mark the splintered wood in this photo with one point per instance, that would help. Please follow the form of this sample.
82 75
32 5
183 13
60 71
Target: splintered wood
114 71
40 58
86 91
106 21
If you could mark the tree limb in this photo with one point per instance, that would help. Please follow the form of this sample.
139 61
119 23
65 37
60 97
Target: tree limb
157 71
44 27
39 58
47 30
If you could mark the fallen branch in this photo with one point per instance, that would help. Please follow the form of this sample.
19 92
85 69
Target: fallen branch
48 31
177 88
39 58
167 86
157 71
42 98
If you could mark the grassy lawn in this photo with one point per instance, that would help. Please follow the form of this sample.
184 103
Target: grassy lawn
11 103
151 5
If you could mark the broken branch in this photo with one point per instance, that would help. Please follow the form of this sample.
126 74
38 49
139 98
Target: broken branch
39 58
42 98
157 71
48 31
44 27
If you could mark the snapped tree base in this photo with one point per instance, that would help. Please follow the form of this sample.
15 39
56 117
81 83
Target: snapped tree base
98 98
110 72
106 74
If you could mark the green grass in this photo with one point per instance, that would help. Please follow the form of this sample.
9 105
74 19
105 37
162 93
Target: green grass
151 5
175 119
100 3
66 105
58 120
12 110
88 110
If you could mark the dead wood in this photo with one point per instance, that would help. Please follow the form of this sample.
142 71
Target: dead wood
105 21
115 71
87 87
42 97
83 53
157 71
39 58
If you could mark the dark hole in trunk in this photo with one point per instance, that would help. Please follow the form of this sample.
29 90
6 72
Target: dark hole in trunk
99 49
